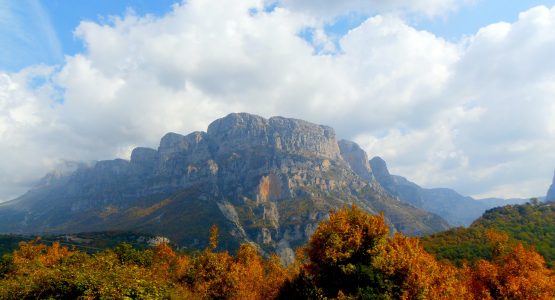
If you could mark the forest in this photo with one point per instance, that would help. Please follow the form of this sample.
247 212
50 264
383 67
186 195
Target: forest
352 255
532 224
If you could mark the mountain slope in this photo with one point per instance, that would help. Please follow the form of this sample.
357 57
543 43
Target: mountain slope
533 225
265 181
458 210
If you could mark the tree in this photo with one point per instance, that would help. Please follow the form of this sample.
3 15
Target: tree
415 274
342 249
350 255
513 273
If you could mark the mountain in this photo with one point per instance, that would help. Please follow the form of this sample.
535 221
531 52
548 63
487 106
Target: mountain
262 181
496 202
531 224
457 209
550 197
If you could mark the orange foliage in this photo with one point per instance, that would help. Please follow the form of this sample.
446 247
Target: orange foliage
33 252
498 241
519 274
350 256
418 274
213 237
347 233
218 275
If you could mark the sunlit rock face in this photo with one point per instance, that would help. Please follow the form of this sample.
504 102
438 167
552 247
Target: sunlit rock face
263 181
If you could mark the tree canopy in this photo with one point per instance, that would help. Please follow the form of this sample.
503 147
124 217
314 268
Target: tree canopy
350 256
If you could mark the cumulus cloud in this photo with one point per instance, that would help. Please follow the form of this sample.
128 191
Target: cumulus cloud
504 73
25 122
329 9
474 115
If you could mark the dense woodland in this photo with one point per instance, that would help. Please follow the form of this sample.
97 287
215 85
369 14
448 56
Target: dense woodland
531 224
350 256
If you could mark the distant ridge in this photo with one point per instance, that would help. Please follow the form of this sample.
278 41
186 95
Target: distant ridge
457 209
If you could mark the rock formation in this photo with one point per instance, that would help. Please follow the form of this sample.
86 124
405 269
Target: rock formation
550 197
262 181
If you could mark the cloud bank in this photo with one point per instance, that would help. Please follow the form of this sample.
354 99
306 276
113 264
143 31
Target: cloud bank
476 115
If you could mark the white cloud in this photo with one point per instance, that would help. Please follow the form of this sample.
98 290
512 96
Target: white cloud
328 9
505 71
25 121
477 115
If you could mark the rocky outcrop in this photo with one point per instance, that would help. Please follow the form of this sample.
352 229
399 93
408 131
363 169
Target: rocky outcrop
356 158
379 167
267 182
550 197
240 131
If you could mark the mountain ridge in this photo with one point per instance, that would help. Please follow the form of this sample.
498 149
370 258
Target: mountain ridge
263 181
457 209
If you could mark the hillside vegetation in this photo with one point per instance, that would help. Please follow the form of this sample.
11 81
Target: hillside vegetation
90 242
350 256
533 225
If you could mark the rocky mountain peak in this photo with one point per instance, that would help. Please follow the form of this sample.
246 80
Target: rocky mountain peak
301 137
62 170
239 131
379 167
551 192
262 181
238 123
143 155
356 158
176 144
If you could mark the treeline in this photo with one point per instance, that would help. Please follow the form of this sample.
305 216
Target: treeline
350 256
84 241
9 243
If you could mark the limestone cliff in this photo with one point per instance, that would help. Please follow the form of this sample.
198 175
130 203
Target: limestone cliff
550 197
263 181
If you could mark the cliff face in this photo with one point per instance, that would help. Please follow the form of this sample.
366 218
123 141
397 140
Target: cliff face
357 159
550 197
265 181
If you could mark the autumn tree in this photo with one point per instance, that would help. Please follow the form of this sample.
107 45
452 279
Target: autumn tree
342 250
247 275
514 273
352 255
412 273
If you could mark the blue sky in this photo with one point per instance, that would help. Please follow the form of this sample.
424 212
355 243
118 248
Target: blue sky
49 26
444 95
472 17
